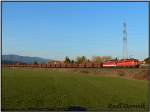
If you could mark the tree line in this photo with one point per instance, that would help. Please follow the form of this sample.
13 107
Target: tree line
83 59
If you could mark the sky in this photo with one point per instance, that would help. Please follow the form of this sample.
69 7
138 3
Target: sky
54 30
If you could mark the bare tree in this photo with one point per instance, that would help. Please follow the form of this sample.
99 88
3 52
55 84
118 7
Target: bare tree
81 59
100 59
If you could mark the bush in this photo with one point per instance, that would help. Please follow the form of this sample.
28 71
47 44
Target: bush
84 71
121 73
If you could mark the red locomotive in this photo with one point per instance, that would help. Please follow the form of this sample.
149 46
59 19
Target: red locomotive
121 63
128 63
109 64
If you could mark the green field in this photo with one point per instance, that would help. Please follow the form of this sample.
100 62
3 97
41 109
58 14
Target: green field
33 89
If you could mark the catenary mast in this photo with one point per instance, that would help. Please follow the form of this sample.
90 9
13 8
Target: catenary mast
125 49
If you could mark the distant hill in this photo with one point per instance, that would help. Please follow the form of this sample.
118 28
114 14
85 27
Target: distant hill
8 62
11 59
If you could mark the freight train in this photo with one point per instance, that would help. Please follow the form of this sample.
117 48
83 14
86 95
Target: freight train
132 63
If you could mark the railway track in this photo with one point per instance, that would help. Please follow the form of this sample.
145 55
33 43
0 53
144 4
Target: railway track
111 68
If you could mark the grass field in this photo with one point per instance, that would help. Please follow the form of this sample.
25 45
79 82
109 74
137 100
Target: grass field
33 89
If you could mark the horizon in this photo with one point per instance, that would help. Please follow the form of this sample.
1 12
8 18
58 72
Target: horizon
56 30
68 57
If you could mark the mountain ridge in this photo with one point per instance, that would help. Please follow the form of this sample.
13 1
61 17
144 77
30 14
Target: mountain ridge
25 59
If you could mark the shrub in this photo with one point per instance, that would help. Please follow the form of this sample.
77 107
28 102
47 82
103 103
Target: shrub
121 73
84 71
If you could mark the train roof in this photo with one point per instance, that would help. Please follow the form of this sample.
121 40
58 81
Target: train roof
129 59
114 60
